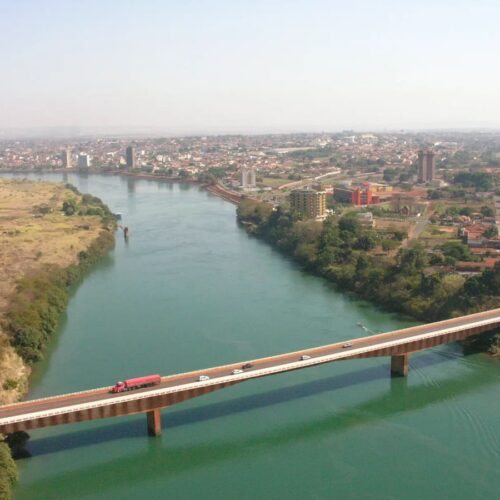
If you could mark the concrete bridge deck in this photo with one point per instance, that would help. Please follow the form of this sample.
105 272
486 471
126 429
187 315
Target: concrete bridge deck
100 403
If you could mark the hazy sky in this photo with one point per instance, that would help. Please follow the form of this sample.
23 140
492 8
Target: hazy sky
186 66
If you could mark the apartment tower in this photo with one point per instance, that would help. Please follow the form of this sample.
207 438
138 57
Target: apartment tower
130 157
66 158
248 177
308 202
426 166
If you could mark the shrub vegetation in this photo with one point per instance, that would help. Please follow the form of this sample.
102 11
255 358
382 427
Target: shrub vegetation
8 472
41 297
342 251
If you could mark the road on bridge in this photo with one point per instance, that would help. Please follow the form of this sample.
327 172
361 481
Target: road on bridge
180 380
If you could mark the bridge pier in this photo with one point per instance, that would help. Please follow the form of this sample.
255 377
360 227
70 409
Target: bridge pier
154 422
399 365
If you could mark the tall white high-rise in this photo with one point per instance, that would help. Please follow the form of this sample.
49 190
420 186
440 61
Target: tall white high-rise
83 160
248 177
66 158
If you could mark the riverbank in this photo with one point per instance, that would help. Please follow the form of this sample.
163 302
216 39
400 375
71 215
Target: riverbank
348 254
50 235
216 189
191 290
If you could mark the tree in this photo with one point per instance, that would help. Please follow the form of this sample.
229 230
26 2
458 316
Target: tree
70 206
468 211
218 172
349 223
434 194
488 283
207 178
479 180
404 176
362 263
306 253
400 235
366 242
412 259
390 174
487 212
456 250
42 209
8 471
253 211
389 244
491 232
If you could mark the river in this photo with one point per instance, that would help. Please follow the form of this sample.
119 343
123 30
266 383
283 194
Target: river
190 290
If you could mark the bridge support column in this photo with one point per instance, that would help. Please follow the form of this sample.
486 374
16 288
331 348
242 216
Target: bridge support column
154 422
399 365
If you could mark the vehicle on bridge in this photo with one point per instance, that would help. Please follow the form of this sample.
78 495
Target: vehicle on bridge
136 383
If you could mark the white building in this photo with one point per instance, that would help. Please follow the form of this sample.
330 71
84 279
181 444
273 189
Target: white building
83 160
66 158
248 178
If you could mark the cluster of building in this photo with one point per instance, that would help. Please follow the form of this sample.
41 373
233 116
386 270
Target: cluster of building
272 155
84 161
306 169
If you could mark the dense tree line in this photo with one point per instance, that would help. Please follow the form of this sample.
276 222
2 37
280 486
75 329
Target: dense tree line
344 252
479 180
41 297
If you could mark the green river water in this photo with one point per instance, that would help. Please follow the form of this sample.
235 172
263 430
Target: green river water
190 290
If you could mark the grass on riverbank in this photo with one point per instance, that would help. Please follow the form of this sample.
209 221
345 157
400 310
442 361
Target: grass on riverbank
50 236
34 231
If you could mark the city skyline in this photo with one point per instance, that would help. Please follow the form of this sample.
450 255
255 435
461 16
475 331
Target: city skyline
231 67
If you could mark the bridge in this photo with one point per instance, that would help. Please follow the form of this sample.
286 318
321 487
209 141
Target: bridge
101 403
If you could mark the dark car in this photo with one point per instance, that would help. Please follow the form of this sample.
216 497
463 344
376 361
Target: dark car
247 365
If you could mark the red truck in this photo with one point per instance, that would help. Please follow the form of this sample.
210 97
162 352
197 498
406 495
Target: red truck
136 383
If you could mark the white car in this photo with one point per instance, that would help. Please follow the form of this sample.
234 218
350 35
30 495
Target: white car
202 378
347 344
235 372
304 357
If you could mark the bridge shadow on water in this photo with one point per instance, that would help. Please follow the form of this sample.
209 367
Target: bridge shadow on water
161 459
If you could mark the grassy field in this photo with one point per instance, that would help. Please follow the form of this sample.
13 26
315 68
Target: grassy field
389 224
273 182
30 239
435 235
433 231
